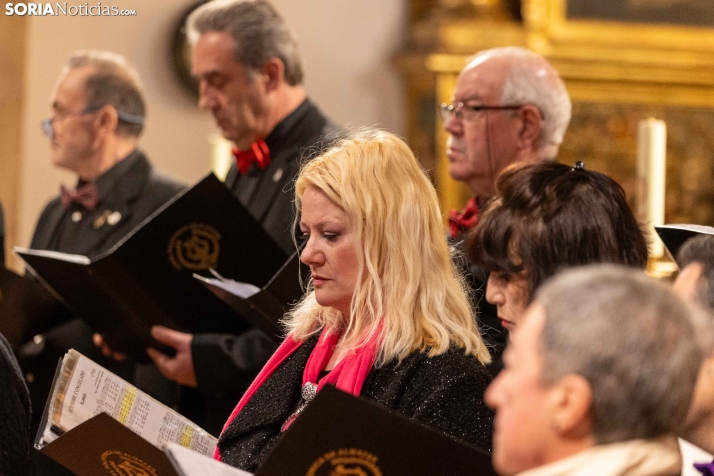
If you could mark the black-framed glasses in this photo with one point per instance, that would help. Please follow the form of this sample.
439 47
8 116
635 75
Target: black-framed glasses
468 112
48 124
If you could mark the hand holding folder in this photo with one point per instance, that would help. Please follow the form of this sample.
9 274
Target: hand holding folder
146 279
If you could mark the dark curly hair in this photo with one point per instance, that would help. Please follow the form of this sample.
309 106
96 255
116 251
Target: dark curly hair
547 216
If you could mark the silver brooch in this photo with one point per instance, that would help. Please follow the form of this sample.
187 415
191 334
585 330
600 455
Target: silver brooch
309 390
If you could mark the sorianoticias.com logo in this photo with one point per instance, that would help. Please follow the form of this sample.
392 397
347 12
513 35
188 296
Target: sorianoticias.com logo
65 9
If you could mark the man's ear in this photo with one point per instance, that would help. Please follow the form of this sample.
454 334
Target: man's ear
532 123
571 403
107 119
273 72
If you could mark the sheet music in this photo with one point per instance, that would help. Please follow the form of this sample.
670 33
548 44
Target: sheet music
189 463
85 389
242 290
78 259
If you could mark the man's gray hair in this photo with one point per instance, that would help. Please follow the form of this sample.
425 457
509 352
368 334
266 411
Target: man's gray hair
114 82
258 30
533 80
700 249
637 344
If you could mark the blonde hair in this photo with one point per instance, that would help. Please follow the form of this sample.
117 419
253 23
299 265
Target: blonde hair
407 282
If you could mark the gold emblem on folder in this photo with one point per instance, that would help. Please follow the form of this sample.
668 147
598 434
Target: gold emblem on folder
345 462
195 247
123 464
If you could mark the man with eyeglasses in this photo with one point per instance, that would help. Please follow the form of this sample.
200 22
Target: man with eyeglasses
98 113
510 106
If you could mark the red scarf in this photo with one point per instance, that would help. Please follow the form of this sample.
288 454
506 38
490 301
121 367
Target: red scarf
463 221
348 375
258 153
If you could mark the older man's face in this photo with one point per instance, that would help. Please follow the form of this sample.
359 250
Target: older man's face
702 407
687 281
480 148
74 136
237 101
523 430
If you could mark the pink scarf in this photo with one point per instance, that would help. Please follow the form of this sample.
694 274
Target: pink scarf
348 375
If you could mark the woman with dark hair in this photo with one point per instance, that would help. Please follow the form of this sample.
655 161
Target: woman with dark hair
544 218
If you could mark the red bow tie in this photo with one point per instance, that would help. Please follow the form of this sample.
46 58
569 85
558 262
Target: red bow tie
465 220
258 153
86 195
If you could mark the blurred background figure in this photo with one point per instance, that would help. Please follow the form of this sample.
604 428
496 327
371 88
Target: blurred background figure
695 282
547 217
97 116
15 436
509 106
598 378
385 315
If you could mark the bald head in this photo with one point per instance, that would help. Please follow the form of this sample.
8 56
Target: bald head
523 77
510 106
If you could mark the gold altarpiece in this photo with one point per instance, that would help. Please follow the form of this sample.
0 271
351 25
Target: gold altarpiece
617 72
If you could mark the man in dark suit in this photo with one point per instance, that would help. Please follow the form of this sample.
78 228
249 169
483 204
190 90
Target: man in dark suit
249 69
97 117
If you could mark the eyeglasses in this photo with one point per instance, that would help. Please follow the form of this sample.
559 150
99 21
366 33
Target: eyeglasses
48 124
467 112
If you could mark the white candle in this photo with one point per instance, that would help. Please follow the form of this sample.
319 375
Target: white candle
651 174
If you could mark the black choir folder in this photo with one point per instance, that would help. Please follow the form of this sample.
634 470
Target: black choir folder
103 446
26 307
336 434
261 307
146 278
674 236
342 434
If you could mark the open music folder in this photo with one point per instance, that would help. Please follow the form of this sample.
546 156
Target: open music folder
146 279
95 419
674 236
262 307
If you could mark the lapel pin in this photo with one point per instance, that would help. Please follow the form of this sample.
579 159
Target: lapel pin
101 219
277 175
76 216
114 218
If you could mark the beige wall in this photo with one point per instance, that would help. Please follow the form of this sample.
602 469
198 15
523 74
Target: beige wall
12 34
347 47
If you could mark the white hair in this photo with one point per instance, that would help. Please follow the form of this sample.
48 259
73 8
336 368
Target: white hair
532 80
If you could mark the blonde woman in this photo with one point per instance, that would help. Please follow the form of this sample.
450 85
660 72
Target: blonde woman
385 315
